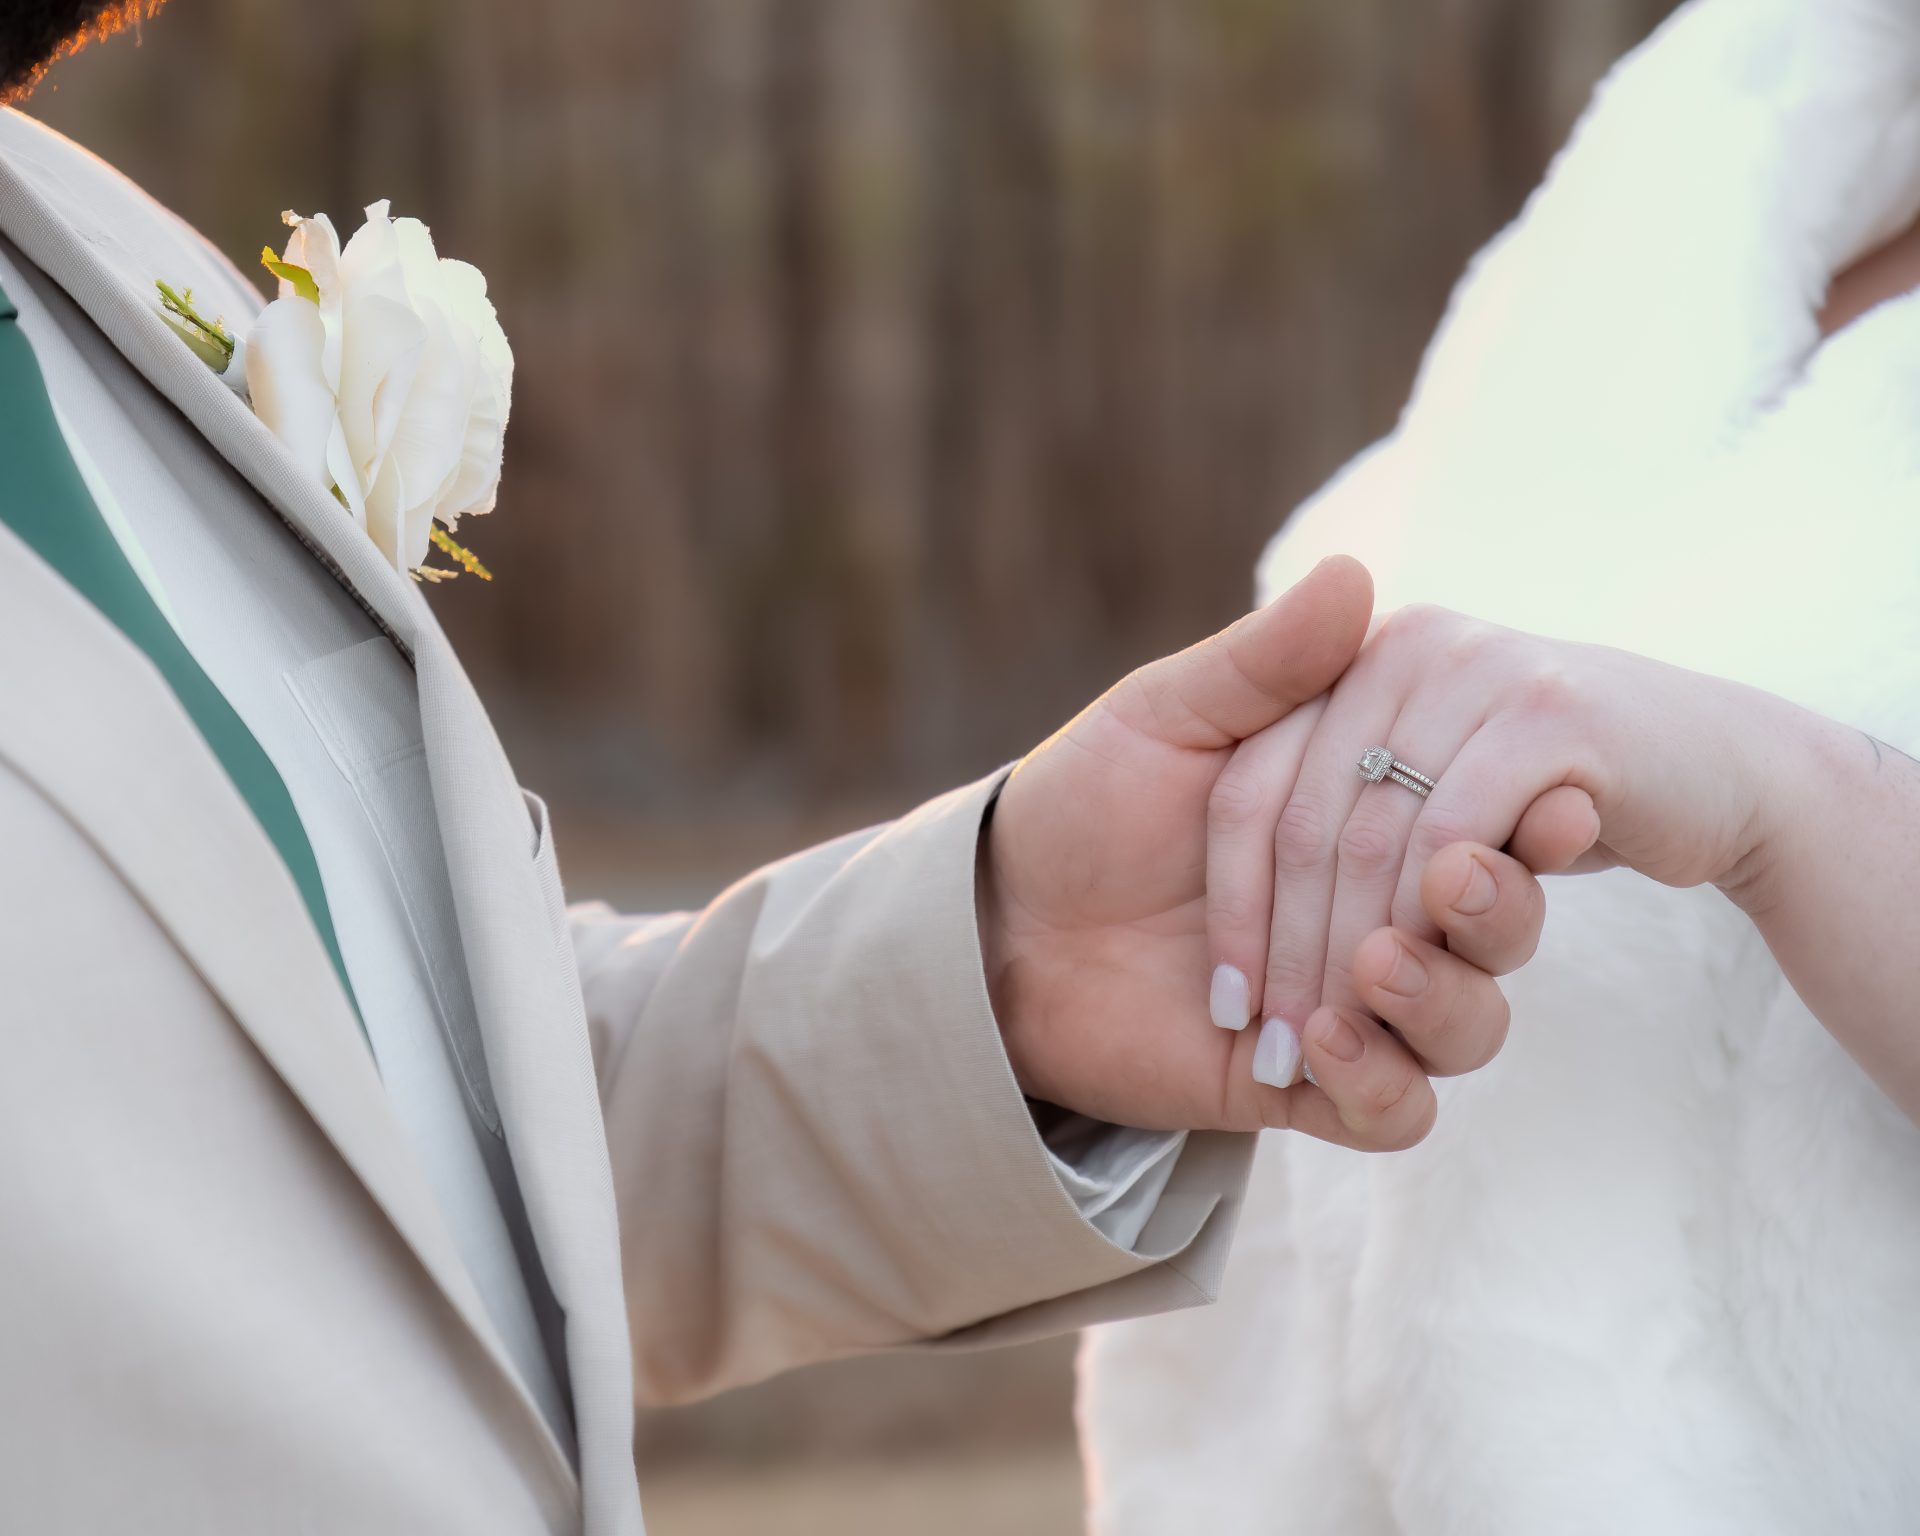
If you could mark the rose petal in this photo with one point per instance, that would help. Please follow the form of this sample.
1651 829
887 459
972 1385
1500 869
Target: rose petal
471 491
315 245
384 522
418 259
345 473
370 266
288 384
384 343
425 450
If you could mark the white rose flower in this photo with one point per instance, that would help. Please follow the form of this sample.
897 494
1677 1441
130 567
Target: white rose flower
384 370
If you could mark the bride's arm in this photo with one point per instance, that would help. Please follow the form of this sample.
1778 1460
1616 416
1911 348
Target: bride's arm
1833 884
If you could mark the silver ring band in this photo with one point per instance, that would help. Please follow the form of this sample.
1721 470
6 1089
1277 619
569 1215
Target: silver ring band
1378 764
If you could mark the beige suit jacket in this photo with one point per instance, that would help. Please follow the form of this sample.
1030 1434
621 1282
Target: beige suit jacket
773 1132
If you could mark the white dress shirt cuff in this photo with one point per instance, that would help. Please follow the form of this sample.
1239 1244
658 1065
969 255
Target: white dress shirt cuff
1114 1174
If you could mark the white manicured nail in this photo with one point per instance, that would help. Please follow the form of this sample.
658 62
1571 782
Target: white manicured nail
1276 1059
1227 998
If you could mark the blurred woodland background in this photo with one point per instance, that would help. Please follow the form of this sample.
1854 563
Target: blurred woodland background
893 374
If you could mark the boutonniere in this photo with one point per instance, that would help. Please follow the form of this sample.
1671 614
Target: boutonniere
383 369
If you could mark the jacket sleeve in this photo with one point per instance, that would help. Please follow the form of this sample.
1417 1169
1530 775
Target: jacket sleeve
818 1144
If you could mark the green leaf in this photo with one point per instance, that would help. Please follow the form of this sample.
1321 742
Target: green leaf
286 271
210 340
205 347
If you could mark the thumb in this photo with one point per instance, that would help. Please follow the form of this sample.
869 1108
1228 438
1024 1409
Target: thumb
1257 670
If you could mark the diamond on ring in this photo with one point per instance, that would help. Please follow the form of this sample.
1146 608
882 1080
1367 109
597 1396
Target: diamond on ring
1378 764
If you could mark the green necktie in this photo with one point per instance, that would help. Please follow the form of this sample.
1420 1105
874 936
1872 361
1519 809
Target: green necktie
44 500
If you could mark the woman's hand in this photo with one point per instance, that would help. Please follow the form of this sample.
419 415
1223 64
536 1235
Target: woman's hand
1566 755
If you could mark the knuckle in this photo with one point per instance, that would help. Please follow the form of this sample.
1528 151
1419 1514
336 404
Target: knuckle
1467 1031
1397 1113
1409 917
1303 842
1446 1036
1294 975
1234 909
1436 830
1469 642
1132 688
1547 690
1337 978
1142 697
1417 622
1426 629
1272 1110
1291 979
1413 1129
1127 701
1382 1100
1236 800
1152 701
1369 847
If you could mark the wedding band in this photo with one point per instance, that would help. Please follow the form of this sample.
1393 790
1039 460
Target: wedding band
1379 763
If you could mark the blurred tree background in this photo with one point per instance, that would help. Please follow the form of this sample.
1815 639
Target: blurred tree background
893 374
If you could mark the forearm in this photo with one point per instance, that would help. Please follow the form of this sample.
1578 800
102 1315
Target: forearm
817 1142
1833 885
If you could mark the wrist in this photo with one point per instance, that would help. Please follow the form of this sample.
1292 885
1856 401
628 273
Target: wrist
1799 757
996 943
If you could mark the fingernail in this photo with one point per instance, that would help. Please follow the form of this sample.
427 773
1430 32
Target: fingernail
1407 976
1337 1038
1479 891
1276 1059
1227 998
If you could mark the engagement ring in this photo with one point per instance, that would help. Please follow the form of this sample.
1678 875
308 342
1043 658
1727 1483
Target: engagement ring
1378 763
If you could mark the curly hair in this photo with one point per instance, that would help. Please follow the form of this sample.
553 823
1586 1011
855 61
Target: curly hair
34 33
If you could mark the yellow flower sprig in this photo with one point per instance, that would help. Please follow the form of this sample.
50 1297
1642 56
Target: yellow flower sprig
465 558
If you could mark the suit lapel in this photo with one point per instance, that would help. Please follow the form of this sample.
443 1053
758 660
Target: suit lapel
48 223
526 989
527 994
184 841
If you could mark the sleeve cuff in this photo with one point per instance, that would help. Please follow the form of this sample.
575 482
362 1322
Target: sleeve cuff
1025 1222
1114 1174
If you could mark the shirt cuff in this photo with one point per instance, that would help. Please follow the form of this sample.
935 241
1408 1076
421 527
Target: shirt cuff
1114 1174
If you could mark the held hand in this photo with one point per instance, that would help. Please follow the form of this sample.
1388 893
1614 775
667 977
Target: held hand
1093 900
1571 756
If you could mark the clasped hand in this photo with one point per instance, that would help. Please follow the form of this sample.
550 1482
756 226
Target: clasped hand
1199 848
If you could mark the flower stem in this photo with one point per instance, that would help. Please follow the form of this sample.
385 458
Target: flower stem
459 554
210 340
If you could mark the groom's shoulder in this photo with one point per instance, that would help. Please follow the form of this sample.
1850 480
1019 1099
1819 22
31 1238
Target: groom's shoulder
23 136
69 175
109 209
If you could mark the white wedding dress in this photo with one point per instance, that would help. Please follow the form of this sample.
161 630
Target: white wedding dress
1657 1270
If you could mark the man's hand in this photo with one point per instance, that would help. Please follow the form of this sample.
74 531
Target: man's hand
1093 905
